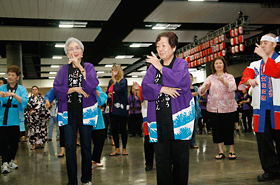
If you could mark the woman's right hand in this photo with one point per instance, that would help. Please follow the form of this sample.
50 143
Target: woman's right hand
78 90
207 85
252 82
2 93
109 95
170 91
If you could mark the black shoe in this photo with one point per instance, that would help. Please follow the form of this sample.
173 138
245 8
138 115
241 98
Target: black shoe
244 131
268 176
49 139
132 135
140 135
149 168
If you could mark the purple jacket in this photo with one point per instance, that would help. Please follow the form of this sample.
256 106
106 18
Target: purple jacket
90 104
183 107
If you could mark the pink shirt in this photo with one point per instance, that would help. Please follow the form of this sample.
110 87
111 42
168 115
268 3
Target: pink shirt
220 99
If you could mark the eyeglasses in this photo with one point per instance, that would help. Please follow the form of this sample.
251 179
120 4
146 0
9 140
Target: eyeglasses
75 48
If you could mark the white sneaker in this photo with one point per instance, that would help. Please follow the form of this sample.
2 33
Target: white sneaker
88 183
97 164
13 165
5 168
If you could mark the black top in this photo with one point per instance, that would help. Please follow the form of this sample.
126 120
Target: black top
75 100
164 111
193 90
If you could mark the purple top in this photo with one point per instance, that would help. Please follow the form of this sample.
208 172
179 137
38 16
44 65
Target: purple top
61 88
137 105
204 103
183 107
245 106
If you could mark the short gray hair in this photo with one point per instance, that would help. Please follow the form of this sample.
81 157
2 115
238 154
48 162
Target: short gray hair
69 41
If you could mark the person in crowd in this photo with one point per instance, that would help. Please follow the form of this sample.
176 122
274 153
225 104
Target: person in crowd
171 110
197 112
13 99
221 105
246 111
98 134
37 116
263 77
107 113
117 91
3 81
50 97
148 147
75 88
53 120
135 115
204 123
236 117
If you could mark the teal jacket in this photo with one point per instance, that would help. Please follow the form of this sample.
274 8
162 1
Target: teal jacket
101 100
15 114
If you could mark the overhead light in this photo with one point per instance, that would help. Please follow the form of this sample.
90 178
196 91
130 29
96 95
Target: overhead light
144 72
66 26
2 73
124 56
52 73
134 76
100 72
51 77
195 0
108 65
57 57
166 26
71 24
138 45
54 66
59 45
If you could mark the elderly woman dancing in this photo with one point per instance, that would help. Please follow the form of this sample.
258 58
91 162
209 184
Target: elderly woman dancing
75 87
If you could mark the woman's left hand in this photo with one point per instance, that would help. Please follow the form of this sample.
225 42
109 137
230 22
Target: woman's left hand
97 93
154 61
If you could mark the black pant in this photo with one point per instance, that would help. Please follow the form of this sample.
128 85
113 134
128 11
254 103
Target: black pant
61 136
98 138
247 114
172 162
205 119
9 137
223 127
119 122
70 133
149 151
268 153
135 122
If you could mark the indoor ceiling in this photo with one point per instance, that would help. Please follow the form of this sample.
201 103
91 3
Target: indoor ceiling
113 25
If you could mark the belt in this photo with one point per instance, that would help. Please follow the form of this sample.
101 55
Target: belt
13 106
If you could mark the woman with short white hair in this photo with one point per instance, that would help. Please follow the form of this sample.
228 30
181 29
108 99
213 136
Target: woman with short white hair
75 87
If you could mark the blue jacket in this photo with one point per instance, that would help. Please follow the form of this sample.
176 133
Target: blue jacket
15 115
50 96
101 101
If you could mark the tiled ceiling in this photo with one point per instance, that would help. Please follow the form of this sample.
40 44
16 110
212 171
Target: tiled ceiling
112 25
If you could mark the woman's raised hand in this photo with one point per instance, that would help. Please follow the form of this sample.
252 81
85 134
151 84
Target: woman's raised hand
154 61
